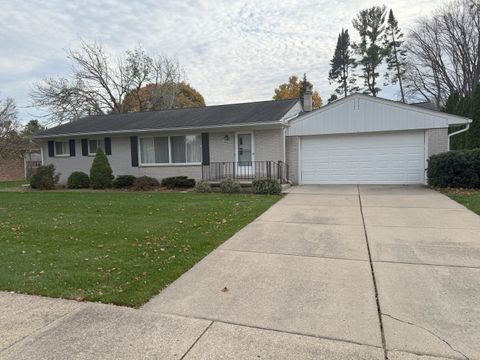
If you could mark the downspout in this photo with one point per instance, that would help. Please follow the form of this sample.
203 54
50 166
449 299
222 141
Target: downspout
456 133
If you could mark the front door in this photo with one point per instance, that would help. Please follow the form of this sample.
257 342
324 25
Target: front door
244 154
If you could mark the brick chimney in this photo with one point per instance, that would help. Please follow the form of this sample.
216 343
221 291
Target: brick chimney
307 99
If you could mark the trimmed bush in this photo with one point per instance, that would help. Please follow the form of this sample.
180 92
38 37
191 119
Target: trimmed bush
456 169
230 186
44 178
124 181
101 175
145 183
266 186
203 186
78 180
178 182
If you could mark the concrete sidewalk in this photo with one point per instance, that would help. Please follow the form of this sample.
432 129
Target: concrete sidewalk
297 283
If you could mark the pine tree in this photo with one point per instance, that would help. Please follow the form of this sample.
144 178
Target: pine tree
101 175
304 84
342 65
396 58
472 136
370 25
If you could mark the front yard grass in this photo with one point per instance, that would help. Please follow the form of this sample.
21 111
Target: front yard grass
468 198
113 247
11 184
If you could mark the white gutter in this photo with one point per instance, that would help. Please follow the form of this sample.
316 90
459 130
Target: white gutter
456 133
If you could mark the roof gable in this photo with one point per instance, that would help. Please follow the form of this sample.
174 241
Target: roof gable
255 113
363 113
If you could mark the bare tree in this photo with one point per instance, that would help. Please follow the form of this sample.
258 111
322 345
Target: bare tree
444 52
11 143
99 84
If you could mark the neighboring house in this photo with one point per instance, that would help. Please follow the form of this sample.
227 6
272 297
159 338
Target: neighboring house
358 139
20 168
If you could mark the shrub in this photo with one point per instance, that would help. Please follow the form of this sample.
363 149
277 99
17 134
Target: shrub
266 186
123 181
230 186
78 180
145 183
178 182
203 187
100 173
44 178
457 169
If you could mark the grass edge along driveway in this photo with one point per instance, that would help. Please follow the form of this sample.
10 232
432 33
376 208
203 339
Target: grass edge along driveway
468 198
113 247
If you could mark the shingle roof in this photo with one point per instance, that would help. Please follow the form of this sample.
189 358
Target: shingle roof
217 115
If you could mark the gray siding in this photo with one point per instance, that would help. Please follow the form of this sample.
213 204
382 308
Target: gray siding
437 141
292 158
268 146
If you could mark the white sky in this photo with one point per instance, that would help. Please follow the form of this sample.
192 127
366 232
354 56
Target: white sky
232 51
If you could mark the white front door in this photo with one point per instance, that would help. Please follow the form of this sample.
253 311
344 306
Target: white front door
244 155
371 158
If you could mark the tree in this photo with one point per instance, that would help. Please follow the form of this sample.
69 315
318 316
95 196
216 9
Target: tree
472 136
292 89
101 174
467 106
148 98
12 145
99 85
370 25
396 53
342 64
444 53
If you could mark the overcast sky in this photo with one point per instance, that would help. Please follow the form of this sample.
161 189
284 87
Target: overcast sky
232 51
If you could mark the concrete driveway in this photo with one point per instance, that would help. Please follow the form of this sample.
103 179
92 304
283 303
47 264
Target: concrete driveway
329 272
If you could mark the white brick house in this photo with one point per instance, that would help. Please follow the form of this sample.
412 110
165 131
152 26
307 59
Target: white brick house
358 139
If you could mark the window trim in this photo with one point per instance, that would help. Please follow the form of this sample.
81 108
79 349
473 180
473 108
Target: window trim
67 147
97 140
170 163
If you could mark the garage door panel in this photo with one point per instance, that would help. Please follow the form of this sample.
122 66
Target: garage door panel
380 158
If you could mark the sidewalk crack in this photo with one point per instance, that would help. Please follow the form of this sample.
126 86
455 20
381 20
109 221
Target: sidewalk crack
429 331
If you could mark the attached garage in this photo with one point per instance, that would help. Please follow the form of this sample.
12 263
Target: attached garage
366 140
370 158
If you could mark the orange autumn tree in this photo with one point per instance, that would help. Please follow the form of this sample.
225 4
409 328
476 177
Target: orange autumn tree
151 97
293 88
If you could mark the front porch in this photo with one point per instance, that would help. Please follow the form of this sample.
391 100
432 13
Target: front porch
245 171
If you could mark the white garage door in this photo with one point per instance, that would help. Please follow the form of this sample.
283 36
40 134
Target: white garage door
373 158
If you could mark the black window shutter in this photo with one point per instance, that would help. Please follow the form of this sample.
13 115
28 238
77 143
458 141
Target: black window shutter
51 149
108 146
71 144
85 147
205 149
134 150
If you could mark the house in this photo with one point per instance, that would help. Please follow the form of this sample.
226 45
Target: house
356 140
21 167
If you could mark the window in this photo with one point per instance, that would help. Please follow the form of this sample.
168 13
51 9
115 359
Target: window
61 148
171 150
93 145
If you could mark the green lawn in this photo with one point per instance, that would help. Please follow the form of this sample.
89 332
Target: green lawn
468 198
11 184
112 247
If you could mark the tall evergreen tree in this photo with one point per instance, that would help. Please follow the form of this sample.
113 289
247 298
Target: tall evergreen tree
342 65
396 53
370 25
472 136
304 84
